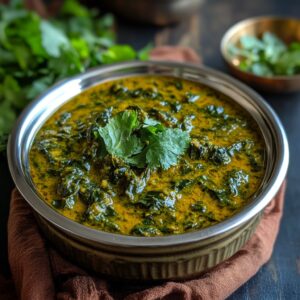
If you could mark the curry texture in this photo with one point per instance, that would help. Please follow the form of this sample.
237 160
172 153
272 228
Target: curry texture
218 174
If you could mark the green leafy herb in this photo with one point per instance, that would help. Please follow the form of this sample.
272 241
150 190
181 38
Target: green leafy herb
144 230
221 194
191 98
34 53
267 56
118 135
142 144
53 39
237 179
143 54
165 147
218 155
155 201
118 53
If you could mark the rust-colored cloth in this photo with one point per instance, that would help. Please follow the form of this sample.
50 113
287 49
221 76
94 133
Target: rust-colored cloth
39 272
178 53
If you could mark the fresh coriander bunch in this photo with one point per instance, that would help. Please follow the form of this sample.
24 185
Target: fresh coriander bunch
35 53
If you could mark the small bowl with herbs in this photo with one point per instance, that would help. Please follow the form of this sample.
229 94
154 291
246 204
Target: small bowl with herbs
265 53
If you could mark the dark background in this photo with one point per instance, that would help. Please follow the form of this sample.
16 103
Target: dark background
280 277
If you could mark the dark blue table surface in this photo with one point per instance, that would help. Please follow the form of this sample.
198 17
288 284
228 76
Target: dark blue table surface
280 277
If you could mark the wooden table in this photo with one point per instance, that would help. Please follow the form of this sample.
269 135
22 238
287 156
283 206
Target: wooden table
280 277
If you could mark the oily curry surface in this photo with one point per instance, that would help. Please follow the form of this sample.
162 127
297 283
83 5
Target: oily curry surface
148 156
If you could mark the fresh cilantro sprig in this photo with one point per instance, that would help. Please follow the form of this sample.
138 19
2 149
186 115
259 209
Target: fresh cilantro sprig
143 143
118 135
166 147
268 56
34 53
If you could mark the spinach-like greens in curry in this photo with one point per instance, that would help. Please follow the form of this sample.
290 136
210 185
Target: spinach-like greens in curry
148 156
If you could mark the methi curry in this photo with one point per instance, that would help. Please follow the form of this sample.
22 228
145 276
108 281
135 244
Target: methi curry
148 156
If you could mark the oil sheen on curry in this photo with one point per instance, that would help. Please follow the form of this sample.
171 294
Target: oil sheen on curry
148 156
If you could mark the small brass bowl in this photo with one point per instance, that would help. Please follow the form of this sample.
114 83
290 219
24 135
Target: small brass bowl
287 29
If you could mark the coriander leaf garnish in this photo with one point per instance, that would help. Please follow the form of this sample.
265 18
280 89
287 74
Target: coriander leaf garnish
118 135
143 144
165 147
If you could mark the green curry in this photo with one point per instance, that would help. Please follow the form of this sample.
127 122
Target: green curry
148 156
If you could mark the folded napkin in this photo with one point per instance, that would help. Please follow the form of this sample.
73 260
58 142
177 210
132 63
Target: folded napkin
39 272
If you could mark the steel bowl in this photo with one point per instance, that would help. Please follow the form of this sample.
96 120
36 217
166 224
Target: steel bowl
148 258
287 29
157 12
